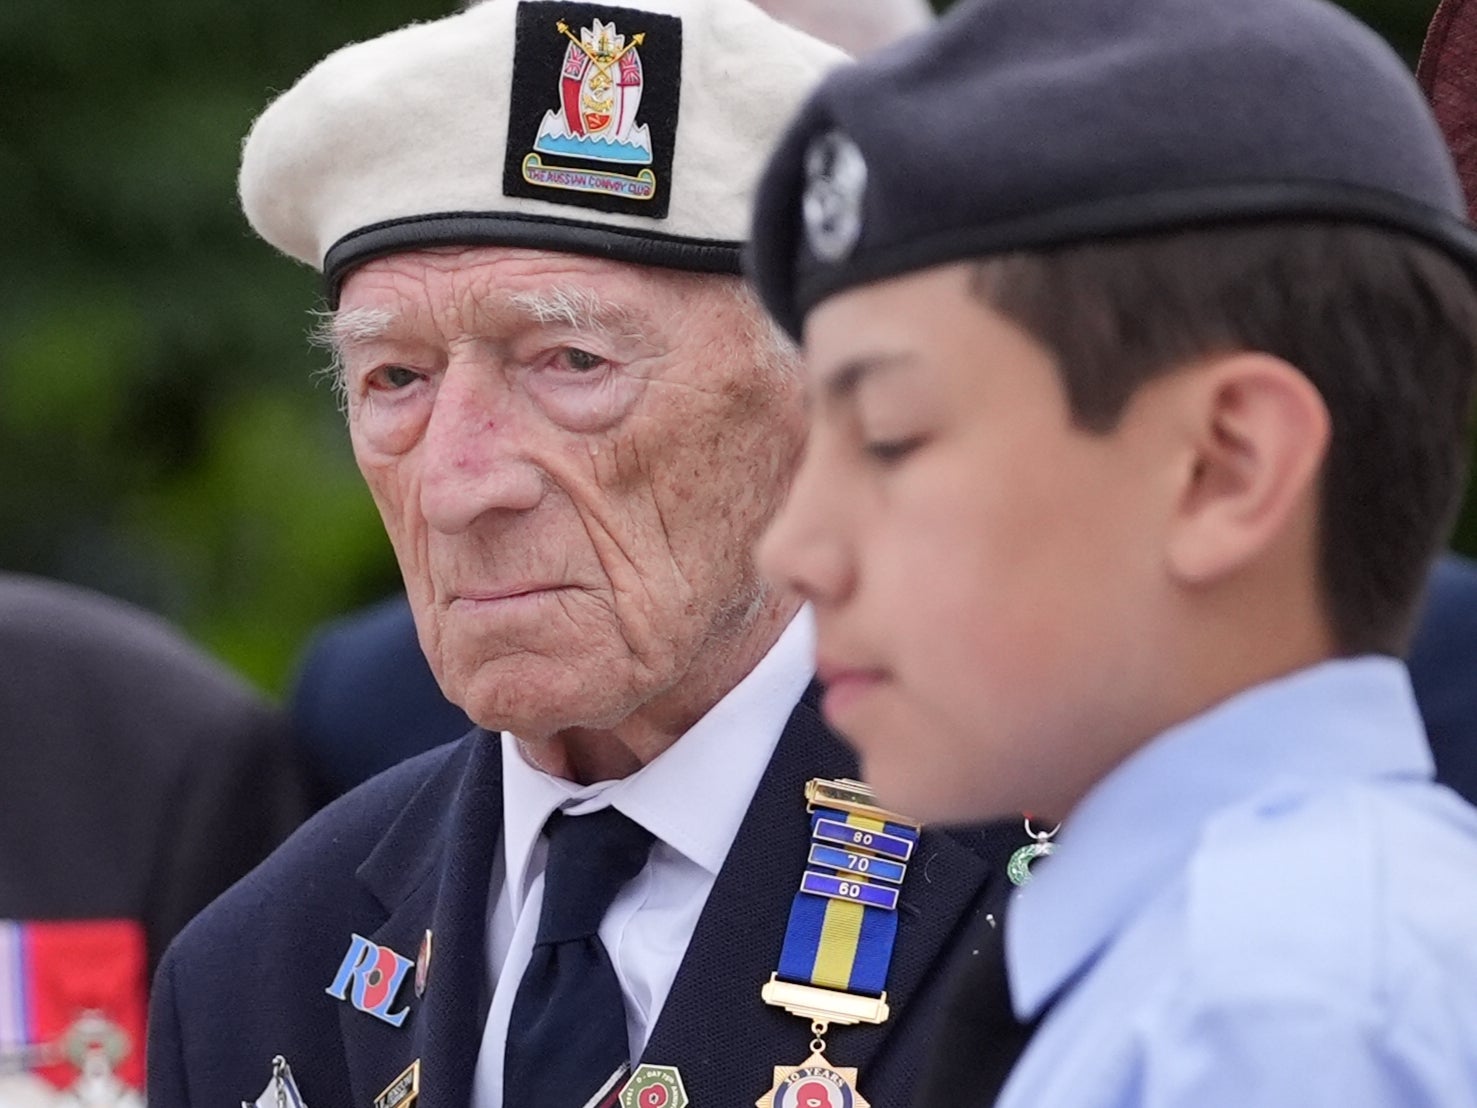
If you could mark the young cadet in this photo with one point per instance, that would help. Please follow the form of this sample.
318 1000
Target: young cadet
1140 343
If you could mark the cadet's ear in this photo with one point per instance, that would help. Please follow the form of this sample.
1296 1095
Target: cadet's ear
1258 432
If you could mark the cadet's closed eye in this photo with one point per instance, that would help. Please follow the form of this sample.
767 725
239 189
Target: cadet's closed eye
888 451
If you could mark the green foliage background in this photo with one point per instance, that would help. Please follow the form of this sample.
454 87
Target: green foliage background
162 436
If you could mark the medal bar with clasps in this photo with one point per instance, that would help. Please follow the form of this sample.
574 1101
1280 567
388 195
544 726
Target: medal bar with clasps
870 865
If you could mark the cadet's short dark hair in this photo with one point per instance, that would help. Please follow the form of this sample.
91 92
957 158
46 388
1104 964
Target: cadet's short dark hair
1384 326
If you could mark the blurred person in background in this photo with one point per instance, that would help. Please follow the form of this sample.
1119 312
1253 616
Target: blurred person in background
138 780
1443 671
365 699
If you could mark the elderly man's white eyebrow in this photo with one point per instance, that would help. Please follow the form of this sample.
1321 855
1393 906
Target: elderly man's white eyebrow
337 331
581 309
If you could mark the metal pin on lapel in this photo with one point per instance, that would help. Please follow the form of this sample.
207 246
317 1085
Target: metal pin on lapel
423 965
281 1090
654 1087
404 1090
369 977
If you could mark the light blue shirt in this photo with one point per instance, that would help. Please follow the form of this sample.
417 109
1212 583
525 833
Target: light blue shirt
1269 905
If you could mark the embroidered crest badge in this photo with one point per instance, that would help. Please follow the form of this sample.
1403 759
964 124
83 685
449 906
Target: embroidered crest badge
599 90
577 132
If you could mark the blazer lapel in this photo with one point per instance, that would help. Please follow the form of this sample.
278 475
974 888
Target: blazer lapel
714 1028
432 872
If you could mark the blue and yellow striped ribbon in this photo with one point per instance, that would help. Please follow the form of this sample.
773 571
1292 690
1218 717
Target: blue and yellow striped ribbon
843 921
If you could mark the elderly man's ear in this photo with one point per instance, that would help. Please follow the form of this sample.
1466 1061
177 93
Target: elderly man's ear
1250 448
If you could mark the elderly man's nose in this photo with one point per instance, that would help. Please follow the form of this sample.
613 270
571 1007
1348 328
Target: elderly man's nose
475 459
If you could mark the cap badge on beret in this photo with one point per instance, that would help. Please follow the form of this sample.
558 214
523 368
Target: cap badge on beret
576 130
835 186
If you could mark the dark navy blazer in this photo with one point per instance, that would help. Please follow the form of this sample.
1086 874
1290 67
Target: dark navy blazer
413 850
1443 668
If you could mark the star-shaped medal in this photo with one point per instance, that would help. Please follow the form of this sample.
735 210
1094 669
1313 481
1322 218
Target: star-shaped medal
814 1083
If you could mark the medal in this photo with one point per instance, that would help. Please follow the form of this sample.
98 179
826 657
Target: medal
1018 869
838 944
281 1090
814 1083
95 1046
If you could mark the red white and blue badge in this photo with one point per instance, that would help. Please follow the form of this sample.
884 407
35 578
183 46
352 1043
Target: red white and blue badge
73 999
593 115
369 977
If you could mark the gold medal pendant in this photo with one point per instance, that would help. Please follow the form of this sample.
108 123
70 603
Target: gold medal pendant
814 1083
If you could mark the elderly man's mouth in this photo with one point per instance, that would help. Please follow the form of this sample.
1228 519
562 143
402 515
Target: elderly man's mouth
504 598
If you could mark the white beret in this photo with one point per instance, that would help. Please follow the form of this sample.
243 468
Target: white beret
634 133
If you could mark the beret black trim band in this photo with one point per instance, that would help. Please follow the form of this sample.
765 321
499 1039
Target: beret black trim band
598 240
1117 217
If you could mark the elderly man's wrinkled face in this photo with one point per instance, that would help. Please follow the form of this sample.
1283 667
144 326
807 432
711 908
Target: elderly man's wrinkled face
573 459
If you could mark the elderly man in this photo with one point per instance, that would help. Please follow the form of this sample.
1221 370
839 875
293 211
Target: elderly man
364 698
656 886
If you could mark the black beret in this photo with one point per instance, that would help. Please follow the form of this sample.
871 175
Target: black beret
1026 124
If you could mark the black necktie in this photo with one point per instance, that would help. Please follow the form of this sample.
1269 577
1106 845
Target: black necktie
978 1039
567 1030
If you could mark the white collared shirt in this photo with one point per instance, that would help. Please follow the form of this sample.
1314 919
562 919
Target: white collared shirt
692 798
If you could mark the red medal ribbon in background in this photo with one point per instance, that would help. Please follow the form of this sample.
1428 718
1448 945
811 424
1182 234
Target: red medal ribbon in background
51 973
